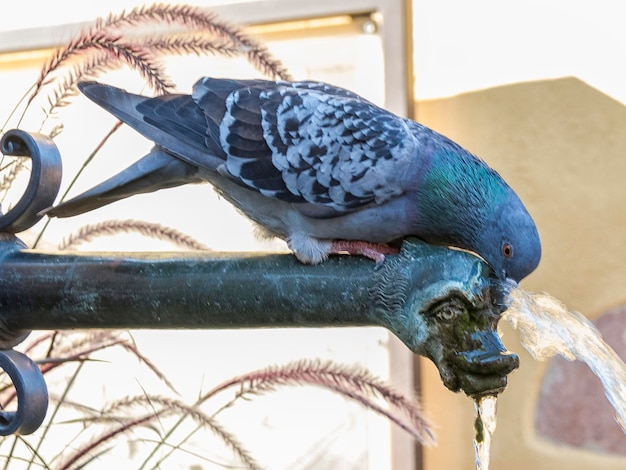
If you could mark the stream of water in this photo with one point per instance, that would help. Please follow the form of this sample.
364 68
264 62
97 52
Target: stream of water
548 328
484 426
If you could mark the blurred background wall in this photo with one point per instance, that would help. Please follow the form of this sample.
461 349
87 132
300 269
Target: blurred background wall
560 143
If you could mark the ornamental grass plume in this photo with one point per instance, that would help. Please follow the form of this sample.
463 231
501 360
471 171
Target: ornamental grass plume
112 227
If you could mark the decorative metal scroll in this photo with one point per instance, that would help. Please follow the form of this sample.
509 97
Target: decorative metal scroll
45 178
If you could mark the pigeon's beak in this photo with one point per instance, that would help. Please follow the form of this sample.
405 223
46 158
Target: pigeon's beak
503 276
503 287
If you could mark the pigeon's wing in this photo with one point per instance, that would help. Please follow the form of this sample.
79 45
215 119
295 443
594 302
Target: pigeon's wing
307 142
322 147
174 122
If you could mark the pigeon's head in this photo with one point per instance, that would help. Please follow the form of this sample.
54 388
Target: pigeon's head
463 202
510 241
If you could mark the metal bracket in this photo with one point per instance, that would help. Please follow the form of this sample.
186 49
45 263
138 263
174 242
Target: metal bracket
43 187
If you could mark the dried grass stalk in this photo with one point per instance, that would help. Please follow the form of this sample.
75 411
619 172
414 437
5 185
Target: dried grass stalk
351 382
15 167
194 18
109 44
67 86
191 44
161 406
113 227
117 50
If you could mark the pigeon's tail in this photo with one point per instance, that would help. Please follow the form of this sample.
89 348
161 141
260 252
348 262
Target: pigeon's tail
159 169
173 121
118 102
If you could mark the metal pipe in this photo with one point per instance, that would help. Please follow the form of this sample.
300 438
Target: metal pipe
439 302
135 290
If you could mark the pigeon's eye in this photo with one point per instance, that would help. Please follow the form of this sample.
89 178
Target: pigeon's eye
507 250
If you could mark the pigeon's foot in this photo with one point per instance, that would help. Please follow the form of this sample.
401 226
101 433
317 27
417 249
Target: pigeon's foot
373 251
307 249
311 250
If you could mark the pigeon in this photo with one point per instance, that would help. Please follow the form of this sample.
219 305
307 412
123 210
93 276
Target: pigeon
320 167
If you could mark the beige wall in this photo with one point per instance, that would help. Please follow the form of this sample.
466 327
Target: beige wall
562 146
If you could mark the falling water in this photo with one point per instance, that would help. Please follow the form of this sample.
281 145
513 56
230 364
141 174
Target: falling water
548 328
484 426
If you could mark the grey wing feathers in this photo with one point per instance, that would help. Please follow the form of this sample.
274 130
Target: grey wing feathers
306 142
323 148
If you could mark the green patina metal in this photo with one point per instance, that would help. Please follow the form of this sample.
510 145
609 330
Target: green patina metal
438 301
